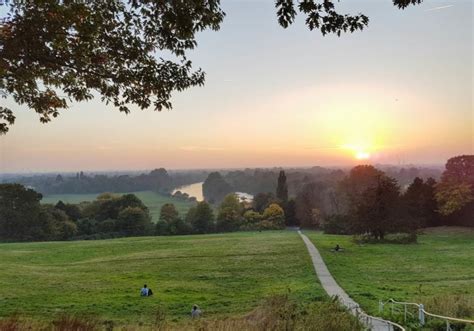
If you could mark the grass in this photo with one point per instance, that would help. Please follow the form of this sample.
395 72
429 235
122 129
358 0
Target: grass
439 267
225 274
152 200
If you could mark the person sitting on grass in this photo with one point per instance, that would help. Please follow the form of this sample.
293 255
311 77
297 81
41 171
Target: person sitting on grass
195 312
144 292
337 248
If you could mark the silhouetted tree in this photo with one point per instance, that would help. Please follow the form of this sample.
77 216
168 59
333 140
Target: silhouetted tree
290 213
455 192
201 218
161 181
134 221
215 188
170 223
373 202
55 224
168 213
262 201
19 213
282 188
420 204
309 204
71 210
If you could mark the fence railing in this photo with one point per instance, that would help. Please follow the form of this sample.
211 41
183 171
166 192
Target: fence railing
422 313
368 320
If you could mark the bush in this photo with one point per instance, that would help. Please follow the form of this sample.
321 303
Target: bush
12 323
336 224
268 225
276 313
281 313
106 226
251 220
394 238
275 215
460 306
75 323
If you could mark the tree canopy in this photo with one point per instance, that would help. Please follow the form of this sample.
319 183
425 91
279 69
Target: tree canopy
128 52
215 188
282 187
455 192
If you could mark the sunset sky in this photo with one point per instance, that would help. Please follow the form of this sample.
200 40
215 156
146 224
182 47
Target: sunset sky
399 92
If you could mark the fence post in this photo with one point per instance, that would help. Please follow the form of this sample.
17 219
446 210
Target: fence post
421 314
380 306
405 319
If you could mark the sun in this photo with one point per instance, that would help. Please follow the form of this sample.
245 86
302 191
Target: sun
362 155
359 151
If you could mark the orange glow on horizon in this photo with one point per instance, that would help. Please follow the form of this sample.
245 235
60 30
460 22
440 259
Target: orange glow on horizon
360 151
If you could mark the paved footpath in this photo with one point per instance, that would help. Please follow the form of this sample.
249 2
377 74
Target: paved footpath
330 286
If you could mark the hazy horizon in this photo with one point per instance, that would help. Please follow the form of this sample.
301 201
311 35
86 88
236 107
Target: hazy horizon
399 92
144 170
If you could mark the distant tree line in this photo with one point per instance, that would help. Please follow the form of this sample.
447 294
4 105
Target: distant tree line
365 201
231 215
368 201
24 218
158 180
254 181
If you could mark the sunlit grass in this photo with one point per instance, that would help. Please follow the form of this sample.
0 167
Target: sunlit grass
225 274
440 265
152 200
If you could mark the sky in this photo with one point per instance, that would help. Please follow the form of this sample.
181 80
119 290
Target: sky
400 92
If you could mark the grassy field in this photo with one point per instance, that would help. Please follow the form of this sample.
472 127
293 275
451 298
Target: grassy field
440 265
226 274
152 200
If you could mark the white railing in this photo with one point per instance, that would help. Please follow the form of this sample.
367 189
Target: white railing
422 313
387 322
368 319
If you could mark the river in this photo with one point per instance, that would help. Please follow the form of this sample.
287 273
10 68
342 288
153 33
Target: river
195 190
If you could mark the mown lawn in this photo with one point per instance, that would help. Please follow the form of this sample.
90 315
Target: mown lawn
152 200
225 274
440 265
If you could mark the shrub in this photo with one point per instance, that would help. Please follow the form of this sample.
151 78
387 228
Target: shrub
336 224
281 313
275 215
461 306
394 238
106 226
276 313
251 219
12 323
75 323
267 225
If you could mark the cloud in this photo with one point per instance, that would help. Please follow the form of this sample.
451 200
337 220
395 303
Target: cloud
439 8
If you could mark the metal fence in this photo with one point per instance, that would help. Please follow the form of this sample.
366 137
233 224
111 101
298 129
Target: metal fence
372 322
420 313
